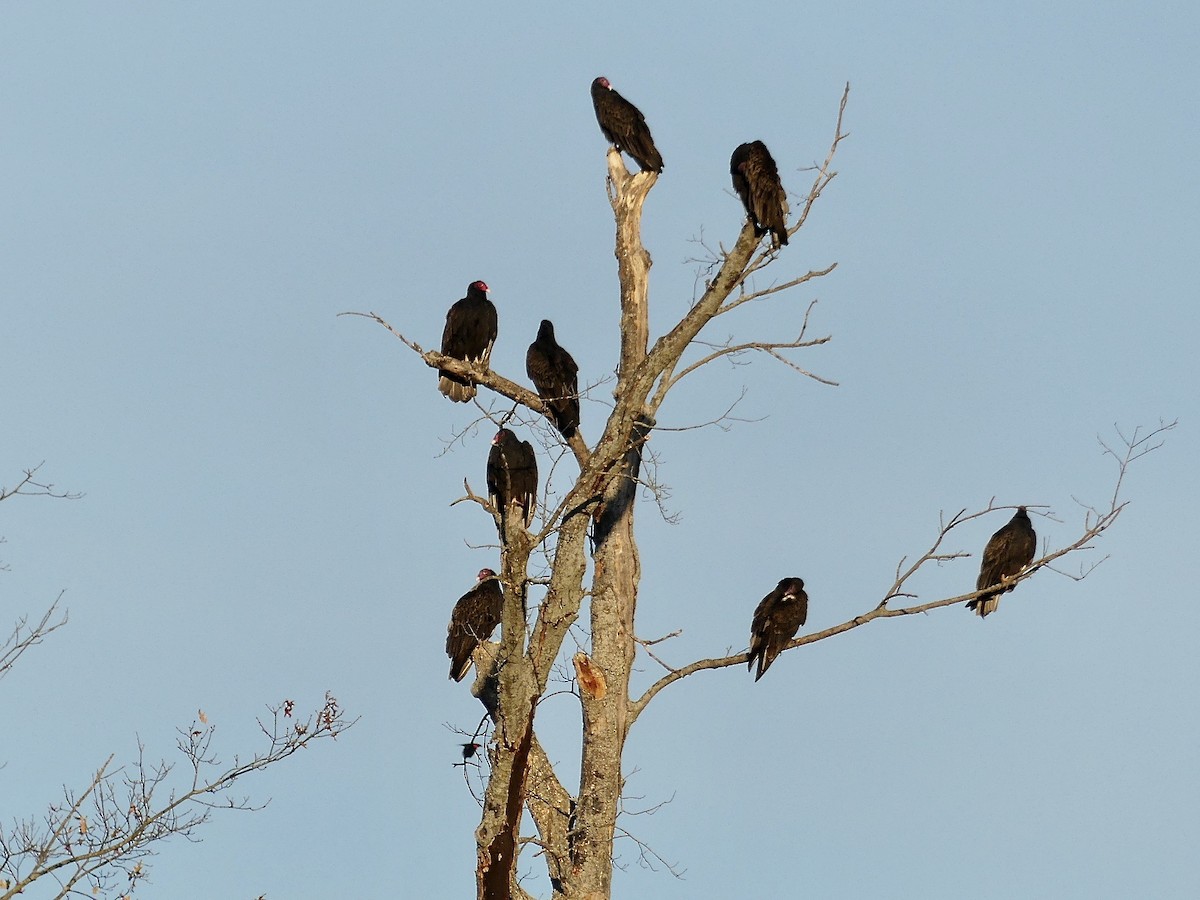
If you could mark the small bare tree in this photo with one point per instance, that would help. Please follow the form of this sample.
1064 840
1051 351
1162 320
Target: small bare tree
575 831
96 840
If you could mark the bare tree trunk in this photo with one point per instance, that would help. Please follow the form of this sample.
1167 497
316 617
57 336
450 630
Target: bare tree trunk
605 714
617 567
510 680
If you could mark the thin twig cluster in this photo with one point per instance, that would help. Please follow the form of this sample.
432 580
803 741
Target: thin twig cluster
96 839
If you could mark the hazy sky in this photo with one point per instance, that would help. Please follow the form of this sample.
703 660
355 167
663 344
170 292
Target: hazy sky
191 193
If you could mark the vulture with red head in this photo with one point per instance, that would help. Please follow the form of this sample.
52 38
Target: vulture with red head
470 332
625 126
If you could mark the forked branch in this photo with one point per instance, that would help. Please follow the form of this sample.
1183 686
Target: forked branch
28 487
1096 522
771 348
98 837
24 635
482 376
733 268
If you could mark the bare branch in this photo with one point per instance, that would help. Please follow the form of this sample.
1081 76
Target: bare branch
733 268
648 857
646 645
483 376
100 835
27 487
824 173
730 349
722 421
650 642
1095 523
750 296
24 636
472 497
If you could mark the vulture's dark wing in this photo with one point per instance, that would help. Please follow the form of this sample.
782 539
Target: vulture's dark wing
625 126
523 478
776 620
475 617
556 377
512 476
756 180
470 332
1007 553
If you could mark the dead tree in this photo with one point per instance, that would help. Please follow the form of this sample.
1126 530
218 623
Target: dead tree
575 833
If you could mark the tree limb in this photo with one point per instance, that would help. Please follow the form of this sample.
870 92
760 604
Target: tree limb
122 821
483 376
23 637
1096 522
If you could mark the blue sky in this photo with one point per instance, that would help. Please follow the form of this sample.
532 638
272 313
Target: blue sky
193 192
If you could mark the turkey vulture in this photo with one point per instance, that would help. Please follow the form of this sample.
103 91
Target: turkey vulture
469 334
512 477
556 377
776 620
1008 551
625 126
756 181
475 617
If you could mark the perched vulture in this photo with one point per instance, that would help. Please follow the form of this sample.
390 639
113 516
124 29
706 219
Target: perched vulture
1007 553
756 181
475 617
625 126
556 378
512 477
469 334
776 621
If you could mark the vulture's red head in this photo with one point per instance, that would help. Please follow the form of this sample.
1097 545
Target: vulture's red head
479 286
485 574
603 82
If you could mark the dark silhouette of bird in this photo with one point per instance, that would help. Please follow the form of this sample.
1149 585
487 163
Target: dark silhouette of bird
756 180
556 377
470 332
776 620
512 477
625 126
475 617
469 749
1007 553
